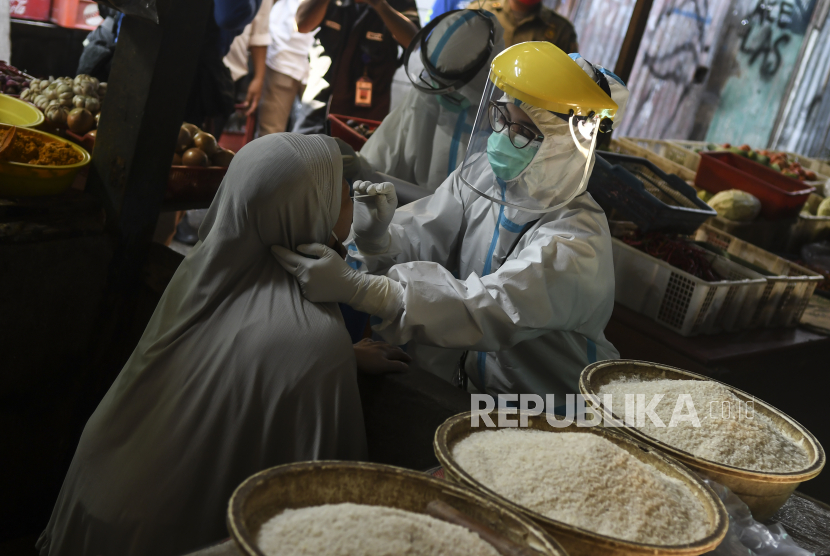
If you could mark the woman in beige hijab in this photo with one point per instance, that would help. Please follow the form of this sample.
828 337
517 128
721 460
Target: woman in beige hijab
236 371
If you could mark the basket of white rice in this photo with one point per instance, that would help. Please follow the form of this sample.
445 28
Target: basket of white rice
596 491
333 508
725 434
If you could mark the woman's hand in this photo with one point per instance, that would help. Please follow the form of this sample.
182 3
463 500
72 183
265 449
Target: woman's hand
377 358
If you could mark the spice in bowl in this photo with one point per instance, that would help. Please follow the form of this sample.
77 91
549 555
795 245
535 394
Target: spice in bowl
29 148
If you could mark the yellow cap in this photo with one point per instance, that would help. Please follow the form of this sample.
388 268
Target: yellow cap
540 74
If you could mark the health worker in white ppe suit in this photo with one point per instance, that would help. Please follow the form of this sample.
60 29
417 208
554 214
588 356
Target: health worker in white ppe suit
425 138
507 268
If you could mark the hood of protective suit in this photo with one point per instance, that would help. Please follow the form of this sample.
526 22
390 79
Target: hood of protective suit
455 44
475 87
556 171
619 93
425 138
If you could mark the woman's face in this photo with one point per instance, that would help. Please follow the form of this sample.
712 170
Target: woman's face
344 221
518 116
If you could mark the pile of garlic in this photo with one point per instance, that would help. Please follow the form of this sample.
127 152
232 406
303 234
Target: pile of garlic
57 97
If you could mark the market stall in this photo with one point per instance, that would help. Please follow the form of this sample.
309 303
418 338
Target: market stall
739 293
716 266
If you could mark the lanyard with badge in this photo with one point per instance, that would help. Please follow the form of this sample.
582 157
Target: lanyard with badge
363 87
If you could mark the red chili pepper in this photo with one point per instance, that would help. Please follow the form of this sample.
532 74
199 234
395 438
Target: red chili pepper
675 251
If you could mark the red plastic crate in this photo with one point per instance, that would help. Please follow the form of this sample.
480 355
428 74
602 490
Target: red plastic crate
87 141
780 196
37 10
76 14
341 130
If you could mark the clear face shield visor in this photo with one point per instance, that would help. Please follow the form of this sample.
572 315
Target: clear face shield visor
450 51
526 157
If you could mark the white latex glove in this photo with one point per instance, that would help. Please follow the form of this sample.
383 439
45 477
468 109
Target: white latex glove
328 278
372 215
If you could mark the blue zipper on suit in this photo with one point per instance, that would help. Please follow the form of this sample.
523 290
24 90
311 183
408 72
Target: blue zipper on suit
510 226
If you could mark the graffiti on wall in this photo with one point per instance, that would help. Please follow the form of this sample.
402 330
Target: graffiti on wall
672 67
671 64
768 29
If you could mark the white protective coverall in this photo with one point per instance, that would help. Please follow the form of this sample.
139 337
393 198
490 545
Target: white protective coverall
425 138
533 311
236 371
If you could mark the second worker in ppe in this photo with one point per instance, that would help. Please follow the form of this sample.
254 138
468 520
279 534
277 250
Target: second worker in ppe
510 259
425 138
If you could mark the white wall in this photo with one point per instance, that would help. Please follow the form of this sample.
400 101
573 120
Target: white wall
5 42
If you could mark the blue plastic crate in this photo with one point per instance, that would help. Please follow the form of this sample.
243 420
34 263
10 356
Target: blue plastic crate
646 195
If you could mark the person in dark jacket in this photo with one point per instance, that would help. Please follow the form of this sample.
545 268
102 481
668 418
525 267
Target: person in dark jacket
362 40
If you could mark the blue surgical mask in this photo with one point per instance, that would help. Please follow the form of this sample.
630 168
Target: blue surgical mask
506 160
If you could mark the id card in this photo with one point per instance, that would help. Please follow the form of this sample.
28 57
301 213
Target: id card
363 92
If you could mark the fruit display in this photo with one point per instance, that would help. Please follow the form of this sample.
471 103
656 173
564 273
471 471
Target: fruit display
776 160
68 103
197 148
12 80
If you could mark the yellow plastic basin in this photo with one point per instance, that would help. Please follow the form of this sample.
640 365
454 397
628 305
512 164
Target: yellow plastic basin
29 180
16 112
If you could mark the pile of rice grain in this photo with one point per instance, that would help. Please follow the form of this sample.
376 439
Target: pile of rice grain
584 480
361 530
729 436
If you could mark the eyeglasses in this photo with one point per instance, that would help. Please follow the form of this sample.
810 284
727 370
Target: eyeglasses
520 135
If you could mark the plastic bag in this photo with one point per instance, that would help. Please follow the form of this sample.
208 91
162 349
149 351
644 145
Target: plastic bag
140 8
747 537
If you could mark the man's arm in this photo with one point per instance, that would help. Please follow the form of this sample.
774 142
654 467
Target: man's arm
403 30
255 87
310 14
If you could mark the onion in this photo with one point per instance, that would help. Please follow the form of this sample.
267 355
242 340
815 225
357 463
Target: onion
206 142
184 140
80 121
194 157
191 128
222 158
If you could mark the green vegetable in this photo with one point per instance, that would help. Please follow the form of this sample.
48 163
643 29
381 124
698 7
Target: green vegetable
776 167
734 204
763 160
704 195
738 151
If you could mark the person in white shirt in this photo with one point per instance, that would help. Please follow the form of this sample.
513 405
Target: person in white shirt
255 38
287 67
